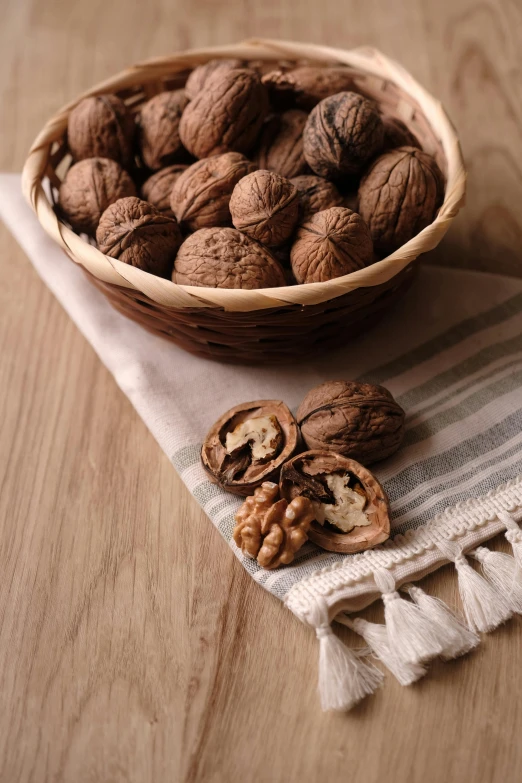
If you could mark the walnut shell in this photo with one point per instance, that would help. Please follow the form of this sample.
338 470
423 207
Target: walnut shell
358 420
88 188
160 144
281 144
238 471
342 134
315 195
158 187
332 243
201 197
226 116
226 258
304 87
307 475
101 127
397 134
265 206
399 196
138 234
199 76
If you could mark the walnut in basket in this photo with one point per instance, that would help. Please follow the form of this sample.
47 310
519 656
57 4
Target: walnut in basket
265 206
199 77
157 188
159 120
101 126
305 86
397 134
315 195
281 144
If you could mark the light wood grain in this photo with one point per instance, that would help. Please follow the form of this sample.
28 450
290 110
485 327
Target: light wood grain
133 647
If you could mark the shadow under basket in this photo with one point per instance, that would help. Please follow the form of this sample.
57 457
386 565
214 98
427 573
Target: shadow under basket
267 326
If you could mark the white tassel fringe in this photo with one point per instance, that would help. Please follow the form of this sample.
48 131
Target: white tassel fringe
455 637
513 534
504 573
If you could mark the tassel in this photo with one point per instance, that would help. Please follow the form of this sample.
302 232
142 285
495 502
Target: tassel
484 607
376 637
456 638
513 534
410 635
344 679
504 574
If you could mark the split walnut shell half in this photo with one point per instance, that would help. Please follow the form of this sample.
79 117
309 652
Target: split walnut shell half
345 494
248 445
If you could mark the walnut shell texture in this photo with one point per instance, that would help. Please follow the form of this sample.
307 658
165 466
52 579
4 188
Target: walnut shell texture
265 206
201 197
397 134
159 129
315 195
138 234
306 86
101 127
226 116
342 134
281 144
226 258
198 78
358 420
158 187
239 473
332 243
399 196
88 188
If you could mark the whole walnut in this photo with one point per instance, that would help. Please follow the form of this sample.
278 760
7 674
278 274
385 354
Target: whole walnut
138 234
332 243
265 206
397 134
226 258
358 420
158 187
199 76
159 129
88 188
226 116
342 134
101 127
201 196
306 86
315 195
281 145
399 196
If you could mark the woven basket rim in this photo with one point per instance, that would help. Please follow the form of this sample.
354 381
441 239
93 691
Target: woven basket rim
169 294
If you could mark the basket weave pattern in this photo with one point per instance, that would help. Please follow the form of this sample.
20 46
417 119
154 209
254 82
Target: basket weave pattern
268 325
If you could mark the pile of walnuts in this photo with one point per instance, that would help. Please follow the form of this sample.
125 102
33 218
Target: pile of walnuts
243 180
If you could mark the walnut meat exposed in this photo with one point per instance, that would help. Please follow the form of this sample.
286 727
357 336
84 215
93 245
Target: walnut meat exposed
351 509
158 187
201 197
248 444
315 195
138 234
265 206
159 129
342 134
304 87
397 134
88 188
358 420
399 196
281 144
198 78
332 243
272 530
226 116
101 127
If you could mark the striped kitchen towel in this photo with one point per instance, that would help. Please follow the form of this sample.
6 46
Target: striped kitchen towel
451 354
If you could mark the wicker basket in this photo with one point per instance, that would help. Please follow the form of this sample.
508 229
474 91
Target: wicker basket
268 325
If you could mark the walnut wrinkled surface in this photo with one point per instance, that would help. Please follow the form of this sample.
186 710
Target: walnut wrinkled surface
342 134
272 530
226 116
101 127
198 78
226 258
397 134
305 86
265 206
315 195
281 144
138 234
399 196
332 243
201 197
159 129
158 187
358 420
88 188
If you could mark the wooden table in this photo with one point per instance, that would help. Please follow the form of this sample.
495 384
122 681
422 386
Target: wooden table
133 647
